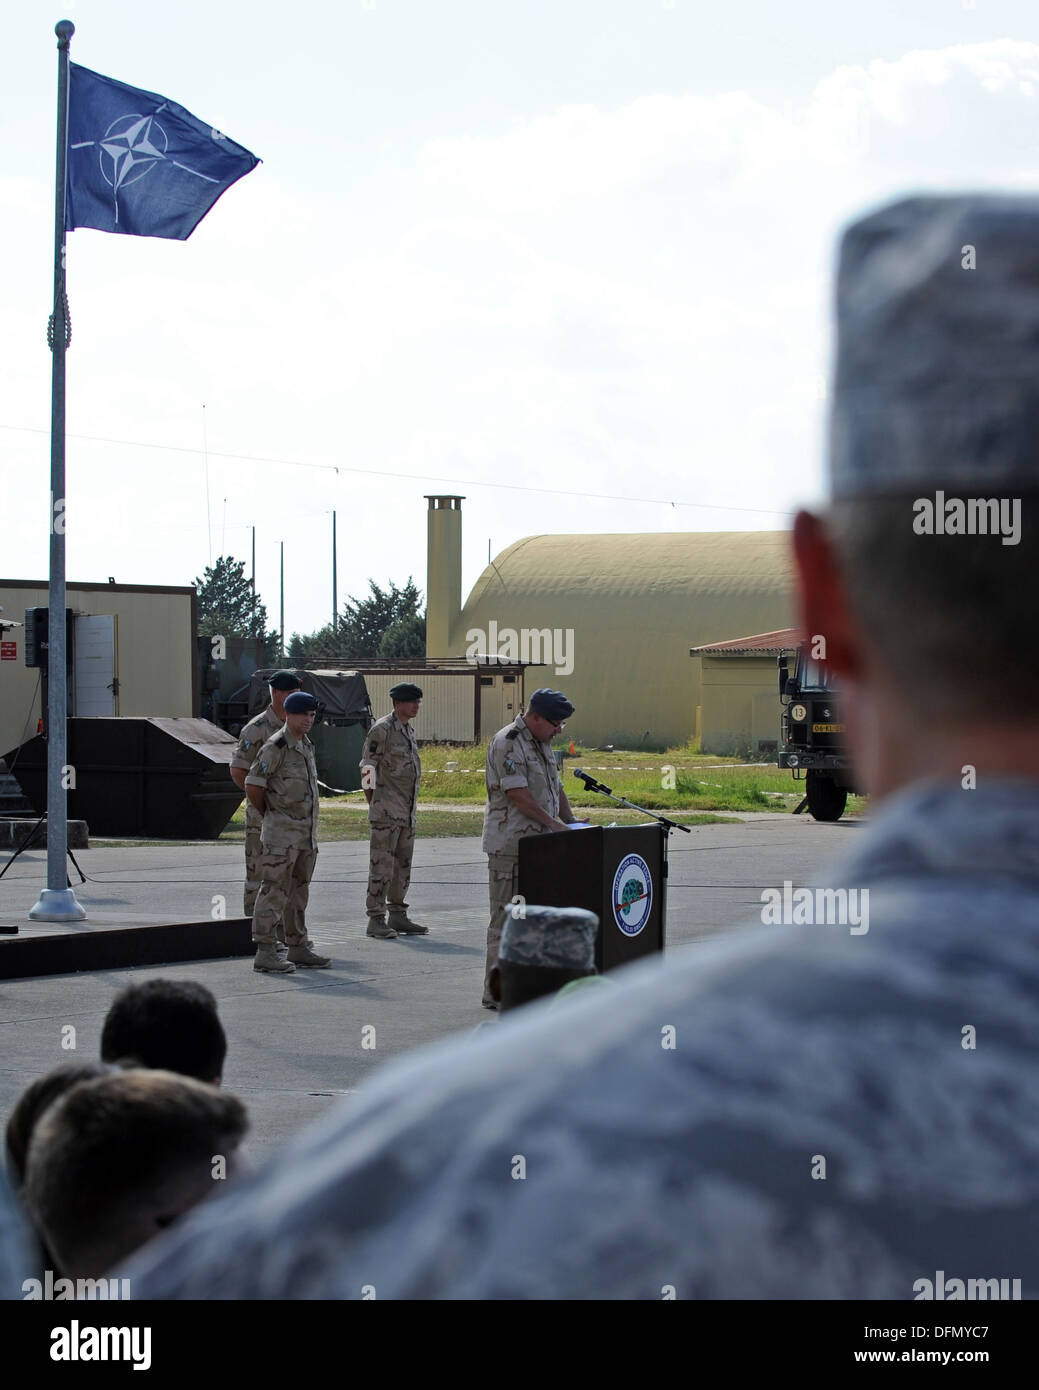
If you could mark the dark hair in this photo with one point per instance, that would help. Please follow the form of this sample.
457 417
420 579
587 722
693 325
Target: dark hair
31 1104
522 984
169 1024
114 1147
951 614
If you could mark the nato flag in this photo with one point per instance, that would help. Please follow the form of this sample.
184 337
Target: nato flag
142 165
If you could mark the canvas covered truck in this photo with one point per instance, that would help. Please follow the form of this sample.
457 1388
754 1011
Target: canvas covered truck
812 740
343 720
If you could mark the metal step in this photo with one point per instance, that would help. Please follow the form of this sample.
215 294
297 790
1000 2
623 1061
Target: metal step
13 801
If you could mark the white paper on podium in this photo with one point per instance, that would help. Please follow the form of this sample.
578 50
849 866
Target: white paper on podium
579 825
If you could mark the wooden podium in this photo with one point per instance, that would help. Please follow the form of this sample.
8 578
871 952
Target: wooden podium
617 872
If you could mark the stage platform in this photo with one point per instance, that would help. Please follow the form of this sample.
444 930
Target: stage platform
115 940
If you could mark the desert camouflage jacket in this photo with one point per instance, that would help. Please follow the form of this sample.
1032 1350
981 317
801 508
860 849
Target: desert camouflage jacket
516 758
391 756
252 738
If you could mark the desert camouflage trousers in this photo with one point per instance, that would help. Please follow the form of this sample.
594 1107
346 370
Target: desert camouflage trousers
253 877
284 893
503 879
389 868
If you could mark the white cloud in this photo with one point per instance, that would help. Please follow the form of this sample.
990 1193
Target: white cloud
624 302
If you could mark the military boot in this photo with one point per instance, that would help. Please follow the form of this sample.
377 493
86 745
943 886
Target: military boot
267 959
402 924
377 927
306 955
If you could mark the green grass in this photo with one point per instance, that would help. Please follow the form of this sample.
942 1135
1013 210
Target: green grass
699 783
703 786
343 821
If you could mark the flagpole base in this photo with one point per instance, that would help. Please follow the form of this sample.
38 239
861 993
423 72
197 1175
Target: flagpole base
57 905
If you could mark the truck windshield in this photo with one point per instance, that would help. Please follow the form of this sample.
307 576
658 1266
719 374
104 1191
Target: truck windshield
814 675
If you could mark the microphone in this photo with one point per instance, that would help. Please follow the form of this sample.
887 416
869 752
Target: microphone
591 783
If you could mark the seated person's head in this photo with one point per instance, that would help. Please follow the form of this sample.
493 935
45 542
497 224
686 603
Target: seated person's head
31 1104
541 950
116 1160
171 1025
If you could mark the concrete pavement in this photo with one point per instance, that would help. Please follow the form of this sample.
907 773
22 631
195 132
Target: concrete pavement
296 1042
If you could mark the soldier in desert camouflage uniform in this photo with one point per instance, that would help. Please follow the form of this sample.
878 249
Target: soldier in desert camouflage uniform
282 785
251 739
391 772
524 797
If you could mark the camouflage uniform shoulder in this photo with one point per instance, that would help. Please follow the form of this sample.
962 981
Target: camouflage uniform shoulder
253 736
508 734
268 758
380 731
275 746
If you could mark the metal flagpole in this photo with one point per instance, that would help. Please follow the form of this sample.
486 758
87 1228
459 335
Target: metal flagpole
57 902
335 586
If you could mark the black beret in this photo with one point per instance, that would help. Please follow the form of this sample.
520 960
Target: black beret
551 704
299 702
405 691
284 680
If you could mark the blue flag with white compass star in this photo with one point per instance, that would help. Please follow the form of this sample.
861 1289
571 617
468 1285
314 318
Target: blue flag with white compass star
139 164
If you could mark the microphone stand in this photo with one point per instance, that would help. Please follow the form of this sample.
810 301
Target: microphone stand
666 827
594 786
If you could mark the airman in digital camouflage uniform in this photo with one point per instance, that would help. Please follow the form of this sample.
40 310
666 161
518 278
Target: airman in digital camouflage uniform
282 785
251 739
391 771
542 949
524 797
794 1111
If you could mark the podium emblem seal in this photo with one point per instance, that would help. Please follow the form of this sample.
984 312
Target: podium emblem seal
632 894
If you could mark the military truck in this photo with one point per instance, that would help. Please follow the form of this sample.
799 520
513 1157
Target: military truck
812 742
342 722
338 733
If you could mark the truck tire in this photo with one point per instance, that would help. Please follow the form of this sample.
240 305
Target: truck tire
826 801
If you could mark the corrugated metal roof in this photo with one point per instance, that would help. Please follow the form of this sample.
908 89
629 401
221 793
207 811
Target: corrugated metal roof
622 612
642 565
785 639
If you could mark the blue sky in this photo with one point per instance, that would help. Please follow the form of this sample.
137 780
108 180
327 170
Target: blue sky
570 248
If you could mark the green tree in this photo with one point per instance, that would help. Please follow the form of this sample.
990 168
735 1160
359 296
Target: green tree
227 605
386 623
296 654
406 638
367 620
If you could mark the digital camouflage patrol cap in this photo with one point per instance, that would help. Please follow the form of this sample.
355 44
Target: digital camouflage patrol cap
563 937
936 382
